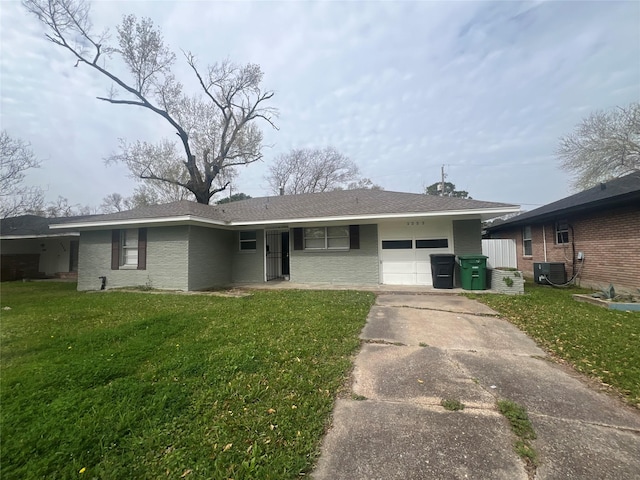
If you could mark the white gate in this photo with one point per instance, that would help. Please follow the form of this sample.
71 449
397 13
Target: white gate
501 252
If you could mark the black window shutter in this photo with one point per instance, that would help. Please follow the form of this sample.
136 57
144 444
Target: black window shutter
354 237
115 249
298 239
142 249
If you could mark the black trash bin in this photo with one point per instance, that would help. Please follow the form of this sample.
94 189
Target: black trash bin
442 265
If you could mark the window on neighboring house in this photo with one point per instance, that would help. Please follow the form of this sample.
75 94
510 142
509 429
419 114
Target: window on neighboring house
562 233
326 238
248 241
526 241
129 248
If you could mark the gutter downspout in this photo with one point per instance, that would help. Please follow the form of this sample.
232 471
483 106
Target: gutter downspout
544 242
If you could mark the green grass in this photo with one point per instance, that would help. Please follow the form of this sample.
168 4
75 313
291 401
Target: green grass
135 385
602 343
451 404
523 429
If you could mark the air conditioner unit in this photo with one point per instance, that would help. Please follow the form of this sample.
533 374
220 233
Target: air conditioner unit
547 273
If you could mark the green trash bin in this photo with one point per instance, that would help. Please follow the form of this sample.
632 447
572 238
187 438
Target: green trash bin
473 272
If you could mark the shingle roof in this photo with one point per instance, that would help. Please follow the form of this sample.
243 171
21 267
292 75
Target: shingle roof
341 203
34 225
619 191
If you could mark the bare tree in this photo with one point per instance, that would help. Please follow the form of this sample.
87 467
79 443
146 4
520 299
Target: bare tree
311 170
16 157
60 207
365 183
604 146
216 129
112 203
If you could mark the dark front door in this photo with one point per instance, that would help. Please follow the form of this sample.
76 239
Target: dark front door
285 253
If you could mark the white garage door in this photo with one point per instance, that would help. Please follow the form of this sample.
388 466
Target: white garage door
405 248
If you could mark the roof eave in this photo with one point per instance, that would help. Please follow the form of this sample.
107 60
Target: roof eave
482 213
617 201
140 222
39 235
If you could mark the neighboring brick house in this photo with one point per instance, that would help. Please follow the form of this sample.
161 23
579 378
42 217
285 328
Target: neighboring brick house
600 225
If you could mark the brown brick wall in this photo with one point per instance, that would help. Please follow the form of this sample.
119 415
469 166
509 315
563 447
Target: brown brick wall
609 239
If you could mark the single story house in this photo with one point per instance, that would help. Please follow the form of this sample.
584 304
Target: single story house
594 233
29 248
341 237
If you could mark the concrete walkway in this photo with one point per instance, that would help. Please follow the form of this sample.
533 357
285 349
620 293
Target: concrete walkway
421 349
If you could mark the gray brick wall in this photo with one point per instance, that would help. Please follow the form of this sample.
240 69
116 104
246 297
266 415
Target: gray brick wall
248 267
467 237
209 257
340 267
167 252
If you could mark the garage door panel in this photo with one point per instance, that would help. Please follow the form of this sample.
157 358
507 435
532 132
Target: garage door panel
399 267
411 266
423 267
407 255
423 254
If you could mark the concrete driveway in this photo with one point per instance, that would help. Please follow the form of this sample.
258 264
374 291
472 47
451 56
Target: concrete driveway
420 349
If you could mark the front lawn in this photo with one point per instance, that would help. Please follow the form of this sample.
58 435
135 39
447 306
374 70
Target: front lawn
599 342
119 385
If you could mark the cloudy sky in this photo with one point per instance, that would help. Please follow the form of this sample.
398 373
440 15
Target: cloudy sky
484 88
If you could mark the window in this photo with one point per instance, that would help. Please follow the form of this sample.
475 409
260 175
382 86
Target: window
326 238
318 238
436 243
526 241
396 244
562 233
129 249
248 241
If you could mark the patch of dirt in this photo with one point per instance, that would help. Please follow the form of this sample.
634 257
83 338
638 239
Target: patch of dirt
233 293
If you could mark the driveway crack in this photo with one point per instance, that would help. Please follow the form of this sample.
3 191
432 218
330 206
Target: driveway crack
458 312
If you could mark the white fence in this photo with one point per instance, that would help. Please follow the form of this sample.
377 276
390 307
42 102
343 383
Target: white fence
501 253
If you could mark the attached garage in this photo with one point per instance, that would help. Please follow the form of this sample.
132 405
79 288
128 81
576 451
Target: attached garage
405 247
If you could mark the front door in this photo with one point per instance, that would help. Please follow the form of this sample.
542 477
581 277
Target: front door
277 253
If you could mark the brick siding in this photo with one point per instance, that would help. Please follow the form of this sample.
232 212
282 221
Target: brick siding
167 256
609 239
358 266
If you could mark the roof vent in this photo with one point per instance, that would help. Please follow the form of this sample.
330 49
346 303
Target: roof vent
603 186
